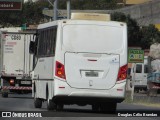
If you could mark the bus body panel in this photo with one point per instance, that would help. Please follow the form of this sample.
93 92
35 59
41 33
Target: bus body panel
93 71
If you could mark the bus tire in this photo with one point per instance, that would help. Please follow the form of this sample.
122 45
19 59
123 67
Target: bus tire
108 107
95 107
37 103
59 107
51 105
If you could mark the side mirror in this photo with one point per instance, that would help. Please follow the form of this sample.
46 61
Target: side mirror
32 47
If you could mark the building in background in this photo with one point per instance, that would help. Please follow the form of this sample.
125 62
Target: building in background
135 2
144 13
30 0
132 2
157 26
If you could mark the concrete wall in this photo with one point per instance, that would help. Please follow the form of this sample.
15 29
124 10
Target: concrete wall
147 13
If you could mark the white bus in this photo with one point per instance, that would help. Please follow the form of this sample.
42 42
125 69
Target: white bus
80 62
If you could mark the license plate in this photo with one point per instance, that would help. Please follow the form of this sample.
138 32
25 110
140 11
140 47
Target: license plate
26 82
91 74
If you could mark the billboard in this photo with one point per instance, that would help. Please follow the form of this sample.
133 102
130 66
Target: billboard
11 4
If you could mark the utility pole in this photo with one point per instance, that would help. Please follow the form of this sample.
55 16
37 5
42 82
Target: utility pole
68 9
55 10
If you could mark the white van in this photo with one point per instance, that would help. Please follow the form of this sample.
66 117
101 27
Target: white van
139 73
80 62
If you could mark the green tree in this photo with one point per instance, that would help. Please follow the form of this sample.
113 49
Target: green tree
133 28
138 36
31 13
90 4
149 35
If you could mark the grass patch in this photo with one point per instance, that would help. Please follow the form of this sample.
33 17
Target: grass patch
143 100
147 104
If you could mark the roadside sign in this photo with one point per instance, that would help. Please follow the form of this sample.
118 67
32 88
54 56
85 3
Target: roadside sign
135 56
10 4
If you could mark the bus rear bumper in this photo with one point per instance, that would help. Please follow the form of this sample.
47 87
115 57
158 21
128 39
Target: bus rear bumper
62 91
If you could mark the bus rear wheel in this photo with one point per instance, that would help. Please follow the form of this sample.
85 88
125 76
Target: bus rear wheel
108 107
95 107
60 107
51 105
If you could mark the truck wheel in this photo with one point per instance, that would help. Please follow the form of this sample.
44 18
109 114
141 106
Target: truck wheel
145 89
51 105
37 103
5 94
136 90
152 92
148 92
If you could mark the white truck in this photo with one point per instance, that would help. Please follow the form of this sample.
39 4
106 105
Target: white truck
16 62
153 79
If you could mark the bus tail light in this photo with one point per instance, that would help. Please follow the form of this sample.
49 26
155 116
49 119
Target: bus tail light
60 71
122 74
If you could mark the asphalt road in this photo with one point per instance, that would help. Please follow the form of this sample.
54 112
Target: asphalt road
23 104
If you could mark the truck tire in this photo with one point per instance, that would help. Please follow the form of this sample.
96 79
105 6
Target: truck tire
148 92
51 105
136 90
152 92
5 94
37 103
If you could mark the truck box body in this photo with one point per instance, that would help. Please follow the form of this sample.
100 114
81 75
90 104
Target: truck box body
16 63
153 79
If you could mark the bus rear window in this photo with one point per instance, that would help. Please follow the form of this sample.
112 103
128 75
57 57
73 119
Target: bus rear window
92 38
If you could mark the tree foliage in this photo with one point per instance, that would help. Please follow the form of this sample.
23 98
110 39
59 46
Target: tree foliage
31 13
133 28
91 4
149 35
138 36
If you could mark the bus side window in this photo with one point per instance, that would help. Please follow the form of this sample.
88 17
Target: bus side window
47 40
53 40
